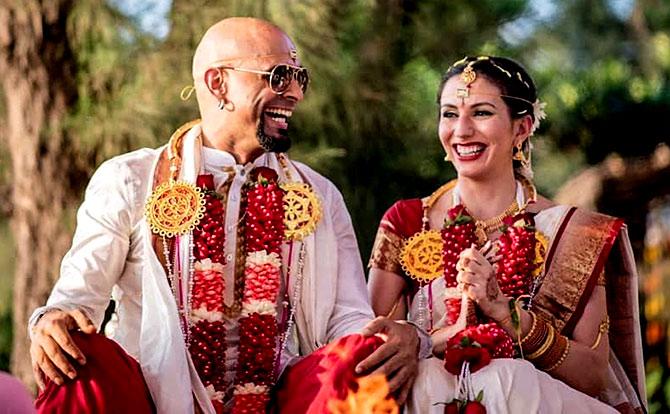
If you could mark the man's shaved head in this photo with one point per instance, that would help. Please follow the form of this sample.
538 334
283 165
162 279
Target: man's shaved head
240 111
239 38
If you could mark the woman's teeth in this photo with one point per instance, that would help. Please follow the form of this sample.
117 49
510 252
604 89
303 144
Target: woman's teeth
465 150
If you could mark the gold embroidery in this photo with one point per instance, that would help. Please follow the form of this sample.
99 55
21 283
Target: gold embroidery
386 251
574 261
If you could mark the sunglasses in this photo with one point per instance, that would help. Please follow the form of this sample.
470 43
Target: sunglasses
279 78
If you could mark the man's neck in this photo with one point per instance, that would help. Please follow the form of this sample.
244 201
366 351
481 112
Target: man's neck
244 150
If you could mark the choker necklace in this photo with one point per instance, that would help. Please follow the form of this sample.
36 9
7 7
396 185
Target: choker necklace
488 226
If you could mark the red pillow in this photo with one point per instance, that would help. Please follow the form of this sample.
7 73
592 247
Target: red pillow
328 373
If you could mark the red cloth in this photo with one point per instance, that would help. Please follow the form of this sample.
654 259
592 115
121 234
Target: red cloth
111 381
404 217
327 373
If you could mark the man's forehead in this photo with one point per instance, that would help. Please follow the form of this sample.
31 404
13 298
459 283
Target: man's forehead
289 56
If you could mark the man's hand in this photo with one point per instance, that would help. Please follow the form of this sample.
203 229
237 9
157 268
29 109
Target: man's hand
51 344
397 358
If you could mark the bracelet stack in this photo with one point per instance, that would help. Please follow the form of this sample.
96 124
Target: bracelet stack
543 346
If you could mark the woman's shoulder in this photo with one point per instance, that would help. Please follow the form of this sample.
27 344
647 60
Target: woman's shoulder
404 217
543 204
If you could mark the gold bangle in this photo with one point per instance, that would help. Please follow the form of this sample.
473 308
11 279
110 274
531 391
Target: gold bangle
603 329
563 356
545 346
532 343
532 329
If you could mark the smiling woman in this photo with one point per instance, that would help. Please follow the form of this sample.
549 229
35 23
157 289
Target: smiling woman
494 271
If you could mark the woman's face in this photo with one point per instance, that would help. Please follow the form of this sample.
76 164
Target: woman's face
478 132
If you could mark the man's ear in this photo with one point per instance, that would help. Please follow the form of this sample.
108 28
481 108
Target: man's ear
216 81
522 128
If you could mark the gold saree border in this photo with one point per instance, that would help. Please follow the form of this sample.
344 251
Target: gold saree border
576 258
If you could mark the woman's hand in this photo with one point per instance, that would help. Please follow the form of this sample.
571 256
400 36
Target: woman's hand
477 278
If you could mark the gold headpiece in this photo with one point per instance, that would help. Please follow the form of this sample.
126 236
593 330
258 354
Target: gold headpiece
468 76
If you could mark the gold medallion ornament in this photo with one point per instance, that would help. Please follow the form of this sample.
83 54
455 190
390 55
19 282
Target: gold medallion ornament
302 210
421 257
175 208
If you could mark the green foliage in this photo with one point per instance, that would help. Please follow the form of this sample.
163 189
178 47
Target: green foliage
106 45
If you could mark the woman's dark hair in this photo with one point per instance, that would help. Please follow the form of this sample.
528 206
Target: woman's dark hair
515 84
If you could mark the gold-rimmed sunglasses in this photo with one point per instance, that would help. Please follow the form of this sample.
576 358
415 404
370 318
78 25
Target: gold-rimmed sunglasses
279 78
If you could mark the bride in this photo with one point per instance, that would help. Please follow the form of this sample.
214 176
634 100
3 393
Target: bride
484 257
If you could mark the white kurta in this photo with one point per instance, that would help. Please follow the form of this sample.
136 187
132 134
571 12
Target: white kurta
112 254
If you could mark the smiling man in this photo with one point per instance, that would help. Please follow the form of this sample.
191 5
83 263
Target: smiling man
228 261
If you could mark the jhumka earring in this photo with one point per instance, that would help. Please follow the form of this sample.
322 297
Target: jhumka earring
520 156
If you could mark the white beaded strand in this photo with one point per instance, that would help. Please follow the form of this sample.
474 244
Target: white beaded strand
297 293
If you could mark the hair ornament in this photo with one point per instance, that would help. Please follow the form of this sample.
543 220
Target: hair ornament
518 75
503 70
538 114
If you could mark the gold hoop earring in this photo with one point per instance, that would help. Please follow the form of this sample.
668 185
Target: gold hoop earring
447 158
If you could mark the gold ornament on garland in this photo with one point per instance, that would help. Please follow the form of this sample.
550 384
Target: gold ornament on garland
176 207
302 210
421 257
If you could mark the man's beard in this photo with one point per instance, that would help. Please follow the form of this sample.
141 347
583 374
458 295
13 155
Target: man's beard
272 144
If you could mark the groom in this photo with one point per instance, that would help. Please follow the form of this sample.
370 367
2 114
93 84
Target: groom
203 309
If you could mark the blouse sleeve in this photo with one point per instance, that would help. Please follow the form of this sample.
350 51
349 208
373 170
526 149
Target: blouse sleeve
399 223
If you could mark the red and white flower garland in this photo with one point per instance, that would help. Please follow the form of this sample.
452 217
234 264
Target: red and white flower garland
204 331
264 234
206 336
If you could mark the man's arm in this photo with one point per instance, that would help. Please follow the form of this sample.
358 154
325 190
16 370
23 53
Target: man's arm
397 358
88 272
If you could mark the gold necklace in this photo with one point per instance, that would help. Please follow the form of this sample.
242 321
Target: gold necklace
488 226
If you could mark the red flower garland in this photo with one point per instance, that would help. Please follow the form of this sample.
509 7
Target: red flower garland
458 234
515 270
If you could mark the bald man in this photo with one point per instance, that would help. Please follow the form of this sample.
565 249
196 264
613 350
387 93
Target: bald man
204 355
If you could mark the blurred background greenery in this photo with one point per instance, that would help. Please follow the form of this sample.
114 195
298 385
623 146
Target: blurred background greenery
368 121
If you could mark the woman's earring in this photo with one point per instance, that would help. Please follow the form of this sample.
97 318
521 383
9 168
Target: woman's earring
222 104
446 158
520 156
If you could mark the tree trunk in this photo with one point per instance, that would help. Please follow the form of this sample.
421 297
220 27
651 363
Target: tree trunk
38 68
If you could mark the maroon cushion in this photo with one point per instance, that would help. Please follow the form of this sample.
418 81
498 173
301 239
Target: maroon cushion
111 381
